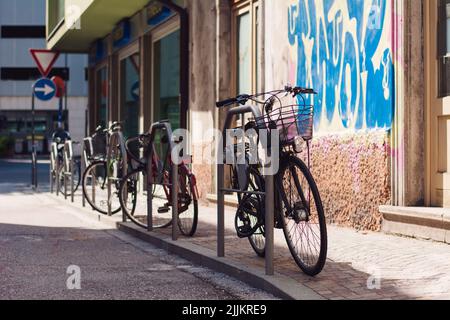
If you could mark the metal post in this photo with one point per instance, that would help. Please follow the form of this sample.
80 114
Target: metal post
57 172
108 175
65 171
174 201
51 171
220 209
33 150
150 187
269 223
72 164
124 174
94 181
83 169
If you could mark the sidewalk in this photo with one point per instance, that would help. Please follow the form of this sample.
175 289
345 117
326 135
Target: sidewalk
359 266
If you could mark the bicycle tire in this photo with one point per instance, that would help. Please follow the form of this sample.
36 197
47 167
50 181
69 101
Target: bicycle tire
257 240
100 193
77 181
136 210
188 229
310 263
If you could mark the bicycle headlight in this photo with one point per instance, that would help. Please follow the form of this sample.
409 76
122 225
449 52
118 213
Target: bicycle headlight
299 144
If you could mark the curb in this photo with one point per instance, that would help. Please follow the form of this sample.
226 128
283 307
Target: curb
278 285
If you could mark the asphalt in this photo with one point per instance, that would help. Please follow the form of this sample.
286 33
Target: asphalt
19 171
42 240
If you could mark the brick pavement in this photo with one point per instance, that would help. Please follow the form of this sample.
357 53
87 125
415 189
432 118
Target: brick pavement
394 267
406 268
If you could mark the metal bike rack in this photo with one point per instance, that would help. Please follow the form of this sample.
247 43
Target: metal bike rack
116 139
87 153
68 168
159 126
54 168
268 193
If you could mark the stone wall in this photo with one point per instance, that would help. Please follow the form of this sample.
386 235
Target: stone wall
352 172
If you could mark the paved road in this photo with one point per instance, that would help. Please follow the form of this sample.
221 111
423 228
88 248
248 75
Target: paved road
40 238
19 171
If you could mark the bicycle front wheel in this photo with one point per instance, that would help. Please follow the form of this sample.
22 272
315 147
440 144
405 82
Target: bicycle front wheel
187 204
302 216
95 188
133 200
76 179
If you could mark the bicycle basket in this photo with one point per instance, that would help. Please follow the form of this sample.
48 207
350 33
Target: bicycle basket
290 121
99 145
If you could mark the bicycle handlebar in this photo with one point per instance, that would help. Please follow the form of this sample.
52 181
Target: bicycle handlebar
242 99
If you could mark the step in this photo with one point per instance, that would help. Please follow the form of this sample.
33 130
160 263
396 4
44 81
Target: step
418 222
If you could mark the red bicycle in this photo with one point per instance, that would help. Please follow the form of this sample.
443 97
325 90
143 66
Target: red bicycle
134 188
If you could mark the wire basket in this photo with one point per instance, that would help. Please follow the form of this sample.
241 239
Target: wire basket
291 121
99 145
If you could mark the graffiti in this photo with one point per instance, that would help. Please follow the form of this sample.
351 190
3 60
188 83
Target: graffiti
343 50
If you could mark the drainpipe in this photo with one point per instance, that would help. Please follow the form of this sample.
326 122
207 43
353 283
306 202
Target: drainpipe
184 58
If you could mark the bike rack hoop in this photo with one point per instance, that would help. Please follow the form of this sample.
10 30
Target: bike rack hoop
155 127
221 190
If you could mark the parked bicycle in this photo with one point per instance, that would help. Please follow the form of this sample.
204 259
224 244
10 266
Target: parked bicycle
298 206
134 186
101 180
61 162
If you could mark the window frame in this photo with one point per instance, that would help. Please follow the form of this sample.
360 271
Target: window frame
238 8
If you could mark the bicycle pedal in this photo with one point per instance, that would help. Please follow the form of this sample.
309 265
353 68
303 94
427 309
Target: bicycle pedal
163 210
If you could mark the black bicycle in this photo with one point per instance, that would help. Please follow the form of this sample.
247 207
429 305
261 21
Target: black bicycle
298 206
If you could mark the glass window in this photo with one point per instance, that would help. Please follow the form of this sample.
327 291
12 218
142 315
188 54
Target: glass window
444 47
244 54
166 89
102 97
246 44
129 95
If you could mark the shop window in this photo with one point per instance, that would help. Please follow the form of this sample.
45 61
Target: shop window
102 97
245 46
444 47
129 95
167 79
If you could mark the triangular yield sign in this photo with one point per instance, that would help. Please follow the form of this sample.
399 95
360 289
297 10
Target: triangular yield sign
45 59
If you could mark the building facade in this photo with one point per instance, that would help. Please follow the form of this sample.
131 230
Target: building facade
380 68
23 27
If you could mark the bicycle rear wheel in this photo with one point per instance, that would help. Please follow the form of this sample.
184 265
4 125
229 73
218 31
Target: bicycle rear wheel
302 216
187 204
133 200
95 188
257 240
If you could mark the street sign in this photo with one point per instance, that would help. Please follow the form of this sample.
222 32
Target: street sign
44 89
45 59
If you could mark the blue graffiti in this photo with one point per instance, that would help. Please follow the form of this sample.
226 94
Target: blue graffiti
343 53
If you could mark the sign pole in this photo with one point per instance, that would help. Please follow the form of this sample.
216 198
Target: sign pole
33 149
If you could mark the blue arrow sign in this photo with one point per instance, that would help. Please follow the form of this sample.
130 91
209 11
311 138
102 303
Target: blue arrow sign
44 89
